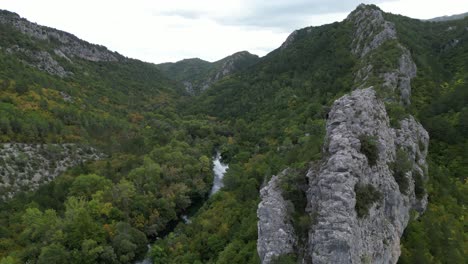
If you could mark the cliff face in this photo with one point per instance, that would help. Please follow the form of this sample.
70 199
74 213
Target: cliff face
371 175
340 235
276 233
371 32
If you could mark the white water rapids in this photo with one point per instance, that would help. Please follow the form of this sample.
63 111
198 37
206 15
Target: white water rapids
219 169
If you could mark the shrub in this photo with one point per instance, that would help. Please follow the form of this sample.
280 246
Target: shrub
419 190
396 112
369 148
400 167
366 196
285 259
292 186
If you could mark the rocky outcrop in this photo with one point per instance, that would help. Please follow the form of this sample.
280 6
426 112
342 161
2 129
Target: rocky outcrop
66 43
372 31
340 235
229 65
41 60
63 46
400 79
276 234
371 174
290 39
27 166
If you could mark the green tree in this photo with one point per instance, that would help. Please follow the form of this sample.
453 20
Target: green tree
53 254
86 185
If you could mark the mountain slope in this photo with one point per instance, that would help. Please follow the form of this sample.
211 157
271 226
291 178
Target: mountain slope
57 88
94 158
198 75
280 106
360 195
448 18
335 113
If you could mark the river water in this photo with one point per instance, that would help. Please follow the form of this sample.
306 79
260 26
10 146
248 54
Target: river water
219 169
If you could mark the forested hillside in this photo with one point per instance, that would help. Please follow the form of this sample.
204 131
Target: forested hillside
198 75
154 129
279 109
440 101
153 164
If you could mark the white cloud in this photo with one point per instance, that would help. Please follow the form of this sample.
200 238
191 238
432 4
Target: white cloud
161 30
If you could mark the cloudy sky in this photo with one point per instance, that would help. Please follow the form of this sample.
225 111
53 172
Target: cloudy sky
170 30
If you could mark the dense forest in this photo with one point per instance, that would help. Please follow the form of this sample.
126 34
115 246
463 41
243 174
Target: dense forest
158 141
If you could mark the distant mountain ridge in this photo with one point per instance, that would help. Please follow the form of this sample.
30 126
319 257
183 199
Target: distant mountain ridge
449 18
197 75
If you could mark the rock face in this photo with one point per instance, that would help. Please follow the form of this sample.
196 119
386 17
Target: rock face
41 60
339 235
290 39
371 31
276 235
230 65
362 153
30 165
66 46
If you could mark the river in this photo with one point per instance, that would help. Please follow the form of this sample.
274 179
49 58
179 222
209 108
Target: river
219 169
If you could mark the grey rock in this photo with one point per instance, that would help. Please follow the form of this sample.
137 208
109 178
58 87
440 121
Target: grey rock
372 30
276 235
290 39
451 28
62 55
66 97
451 44
189 87
339 235
41 60
65 45
27 166
400 78
229 66
414 139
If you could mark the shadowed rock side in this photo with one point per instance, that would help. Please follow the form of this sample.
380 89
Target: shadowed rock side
276 235
340 235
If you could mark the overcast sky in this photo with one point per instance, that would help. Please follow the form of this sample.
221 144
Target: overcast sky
171 30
